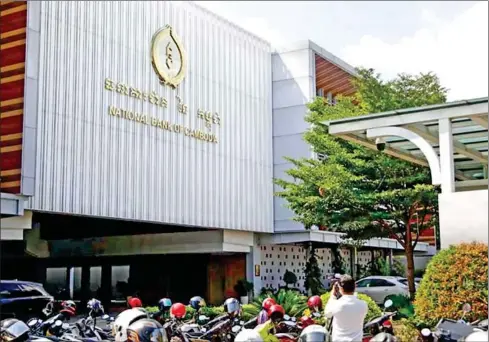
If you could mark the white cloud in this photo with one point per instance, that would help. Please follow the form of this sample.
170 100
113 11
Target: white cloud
457 51
260 27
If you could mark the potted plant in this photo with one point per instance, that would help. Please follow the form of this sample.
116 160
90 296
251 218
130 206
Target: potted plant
244 288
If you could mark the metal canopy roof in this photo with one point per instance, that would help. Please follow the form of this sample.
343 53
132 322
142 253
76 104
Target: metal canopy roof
327 238
469 131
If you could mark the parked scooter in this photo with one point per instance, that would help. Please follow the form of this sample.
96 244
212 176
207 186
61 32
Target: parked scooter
382 324
448 330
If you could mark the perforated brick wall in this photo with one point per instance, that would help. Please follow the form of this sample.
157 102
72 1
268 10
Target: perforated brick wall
275 259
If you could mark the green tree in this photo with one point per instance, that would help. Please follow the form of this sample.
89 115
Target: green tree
356 190
313 274
289 278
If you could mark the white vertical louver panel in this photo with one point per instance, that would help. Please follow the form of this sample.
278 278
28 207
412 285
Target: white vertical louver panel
90 163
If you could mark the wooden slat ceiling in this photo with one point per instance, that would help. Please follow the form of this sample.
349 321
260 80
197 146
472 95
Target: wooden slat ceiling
13 20
332 78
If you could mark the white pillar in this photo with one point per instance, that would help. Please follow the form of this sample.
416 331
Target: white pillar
256 255
447 168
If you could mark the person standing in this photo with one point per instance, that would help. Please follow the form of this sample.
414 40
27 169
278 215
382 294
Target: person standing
346 310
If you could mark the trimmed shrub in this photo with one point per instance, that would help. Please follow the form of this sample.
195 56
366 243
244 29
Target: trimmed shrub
454 276
405 330
373 309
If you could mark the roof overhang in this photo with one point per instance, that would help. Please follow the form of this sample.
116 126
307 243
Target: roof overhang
327 238
469 127
12 205
214 242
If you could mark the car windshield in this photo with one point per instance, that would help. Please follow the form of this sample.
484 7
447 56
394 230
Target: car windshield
17 290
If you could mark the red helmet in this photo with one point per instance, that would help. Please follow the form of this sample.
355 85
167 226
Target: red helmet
315 302
306 321
178 310
69 307
267 303
276 312
135 302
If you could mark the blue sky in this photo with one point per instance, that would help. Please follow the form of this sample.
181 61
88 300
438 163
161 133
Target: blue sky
449 37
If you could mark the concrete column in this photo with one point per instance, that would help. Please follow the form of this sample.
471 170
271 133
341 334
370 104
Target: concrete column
256 263
250 265
447 168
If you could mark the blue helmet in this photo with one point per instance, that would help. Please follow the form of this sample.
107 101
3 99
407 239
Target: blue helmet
165 304
95 306
197 302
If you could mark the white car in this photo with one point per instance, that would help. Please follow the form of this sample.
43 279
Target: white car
379 288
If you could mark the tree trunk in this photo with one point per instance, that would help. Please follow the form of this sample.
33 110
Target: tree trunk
410 270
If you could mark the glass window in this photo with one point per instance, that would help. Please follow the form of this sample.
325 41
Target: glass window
56 282
120 280
95 281
22 290
403 281
363 283
381 283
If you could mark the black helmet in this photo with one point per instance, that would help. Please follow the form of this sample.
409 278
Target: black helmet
232 307
12 329
146 330
165 304
197 302
314 333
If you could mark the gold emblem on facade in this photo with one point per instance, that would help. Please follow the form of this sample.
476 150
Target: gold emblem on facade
168 57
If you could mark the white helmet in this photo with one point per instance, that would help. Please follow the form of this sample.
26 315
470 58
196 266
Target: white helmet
477 336
124 320
248 335
314 333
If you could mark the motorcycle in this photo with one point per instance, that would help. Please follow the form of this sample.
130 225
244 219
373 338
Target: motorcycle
379 324
449 330
288 330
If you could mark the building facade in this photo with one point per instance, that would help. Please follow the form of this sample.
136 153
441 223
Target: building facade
140 141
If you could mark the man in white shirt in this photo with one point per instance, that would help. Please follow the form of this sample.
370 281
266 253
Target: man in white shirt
348 312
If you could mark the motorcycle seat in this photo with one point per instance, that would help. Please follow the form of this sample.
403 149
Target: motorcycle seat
193 334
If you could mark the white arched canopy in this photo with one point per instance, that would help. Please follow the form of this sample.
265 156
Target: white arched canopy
422 144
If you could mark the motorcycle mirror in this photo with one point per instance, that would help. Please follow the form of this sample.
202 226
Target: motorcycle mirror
425 332
65 326
388 303
106 317
58 323
466 308
236 328
286 317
